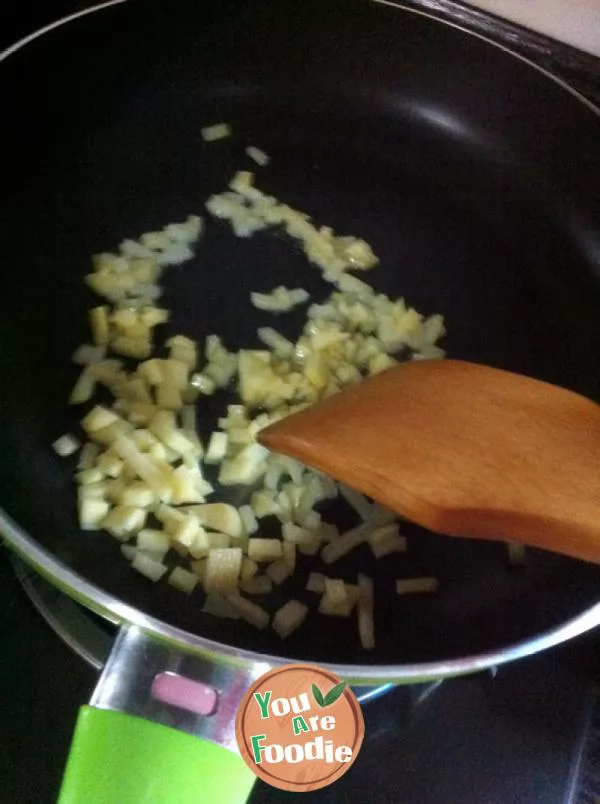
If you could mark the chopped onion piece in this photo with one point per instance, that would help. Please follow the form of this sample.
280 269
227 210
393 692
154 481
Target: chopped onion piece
516 554
279 300
288 554
99 325
411 586
219 606
345 543
279 571
248 520
143 466
264 549
222 569
386 539
252 613
259 585
218 131
249 569
217 448
183 580
152 541
289 617
260 157
123 521
91 513
366 628
149 567
84 388
316 583
164 428
246 467
219 517
218 540
66 445
358 501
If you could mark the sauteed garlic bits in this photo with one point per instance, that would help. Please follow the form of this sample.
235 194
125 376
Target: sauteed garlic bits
141 473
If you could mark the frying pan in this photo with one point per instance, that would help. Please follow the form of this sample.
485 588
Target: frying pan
475 176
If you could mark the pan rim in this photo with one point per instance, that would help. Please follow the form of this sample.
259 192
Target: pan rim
114 609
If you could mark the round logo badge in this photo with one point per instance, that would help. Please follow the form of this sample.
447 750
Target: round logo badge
299 727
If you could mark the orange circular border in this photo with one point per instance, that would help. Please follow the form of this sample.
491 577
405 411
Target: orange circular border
269 777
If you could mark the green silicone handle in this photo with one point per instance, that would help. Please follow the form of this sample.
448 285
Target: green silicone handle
121 759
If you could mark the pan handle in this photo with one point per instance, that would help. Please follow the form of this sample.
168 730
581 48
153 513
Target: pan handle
160 729
117 757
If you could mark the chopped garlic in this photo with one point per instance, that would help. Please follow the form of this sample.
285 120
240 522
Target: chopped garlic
264 549
66 445
260 157
218 131
252 613
149 567
92 513
183 580
289 617
366 628
222 569
412 586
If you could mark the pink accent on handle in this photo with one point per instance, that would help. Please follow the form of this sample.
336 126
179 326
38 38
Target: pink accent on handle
193 696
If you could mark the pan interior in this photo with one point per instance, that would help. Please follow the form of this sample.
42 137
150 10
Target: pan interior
472 175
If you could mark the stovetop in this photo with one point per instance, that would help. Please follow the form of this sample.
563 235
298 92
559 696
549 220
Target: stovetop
527 735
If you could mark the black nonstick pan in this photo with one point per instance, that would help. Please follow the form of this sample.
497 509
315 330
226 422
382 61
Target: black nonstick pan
474 175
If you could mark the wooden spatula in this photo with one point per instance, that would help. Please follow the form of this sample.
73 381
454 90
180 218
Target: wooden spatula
464 450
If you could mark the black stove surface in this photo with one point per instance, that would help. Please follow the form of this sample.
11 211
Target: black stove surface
526 736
